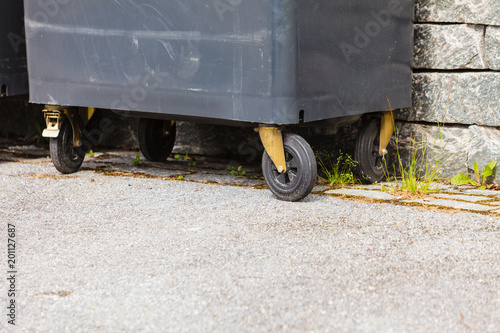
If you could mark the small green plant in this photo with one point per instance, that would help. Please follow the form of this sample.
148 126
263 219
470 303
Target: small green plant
480 180
421 171
423 167
237 171
91 154
185 158
180 177
341 172
136 161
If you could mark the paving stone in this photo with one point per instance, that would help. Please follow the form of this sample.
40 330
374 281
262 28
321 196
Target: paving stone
148 171
457 46
222 179
457 191
438 187
367 187
469 198
452 204
31 150
482 192
444 187
319 188
124 157
363 193
94 165
434 186
377 186
160 172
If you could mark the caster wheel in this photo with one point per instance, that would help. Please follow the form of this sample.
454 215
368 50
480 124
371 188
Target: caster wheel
301 175
156 138
66 158
370 164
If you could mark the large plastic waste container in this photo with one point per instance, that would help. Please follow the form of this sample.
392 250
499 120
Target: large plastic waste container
263 63
13 72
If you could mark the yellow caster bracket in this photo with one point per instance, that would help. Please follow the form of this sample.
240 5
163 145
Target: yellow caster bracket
386 131
272 139
53 119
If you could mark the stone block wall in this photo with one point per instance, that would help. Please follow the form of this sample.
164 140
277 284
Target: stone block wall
456 81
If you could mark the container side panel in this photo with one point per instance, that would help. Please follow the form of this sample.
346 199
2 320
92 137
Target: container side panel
284 62
354 56
13 72
196 58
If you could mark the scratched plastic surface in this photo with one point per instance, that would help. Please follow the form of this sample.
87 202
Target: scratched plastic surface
222 60
13 73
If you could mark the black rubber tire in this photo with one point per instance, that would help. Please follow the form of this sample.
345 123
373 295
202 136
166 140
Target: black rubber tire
302 170
370 164
65 157
156 138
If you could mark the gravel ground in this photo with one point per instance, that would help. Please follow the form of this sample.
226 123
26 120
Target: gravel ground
121 254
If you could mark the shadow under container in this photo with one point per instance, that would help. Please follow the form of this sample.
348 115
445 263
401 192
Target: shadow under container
270 64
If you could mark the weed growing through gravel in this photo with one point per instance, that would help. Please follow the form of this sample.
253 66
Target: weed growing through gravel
237 171
179 157
480 178
186 158
338 173
137 161
424 166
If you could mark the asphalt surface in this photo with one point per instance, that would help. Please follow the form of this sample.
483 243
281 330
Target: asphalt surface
114 252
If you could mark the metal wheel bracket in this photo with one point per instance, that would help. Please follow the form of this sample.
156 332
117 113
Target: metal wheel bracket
386 131
166 130
73 116
272 139
86 114
53 121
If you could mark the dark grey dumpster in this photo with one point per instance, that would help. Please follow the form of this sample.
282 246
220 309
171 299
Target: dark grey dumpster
262 63
13 73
